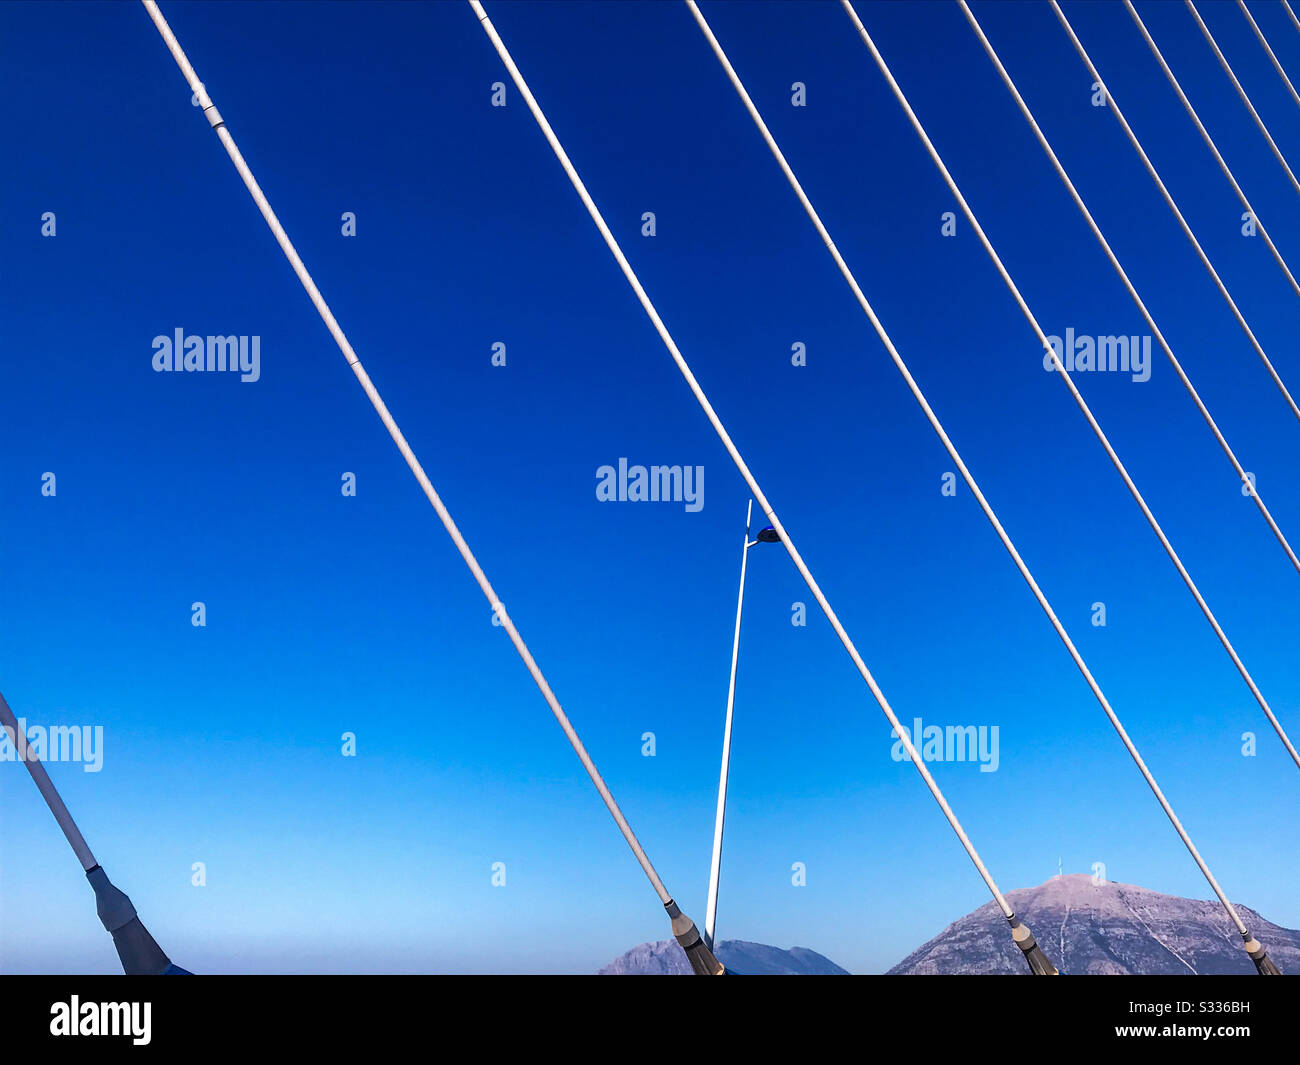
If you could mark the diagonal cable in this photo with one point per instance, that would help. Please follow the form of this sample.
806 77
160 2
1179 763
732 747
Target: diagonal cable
1294 21
1268 48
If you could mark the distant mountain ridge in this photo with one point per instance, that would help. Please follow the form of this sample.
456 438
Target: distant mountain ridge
1108 928
665 958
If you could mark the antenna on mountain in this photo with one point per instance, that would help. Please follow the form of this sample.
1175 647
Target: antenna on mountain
687 935
1059 871
139 954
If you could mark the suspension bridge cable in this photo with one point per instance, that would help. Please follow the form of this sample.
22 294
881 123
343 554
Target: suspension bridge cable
36 770
1114 108
758 494
1132 291
1294 21
1271 54
680 922
1209 141
1241 91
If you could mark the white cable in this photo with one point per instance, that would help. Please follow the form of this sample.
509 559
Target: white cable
721 431
1294 21
1262 40
45 786
1164 191
1205 135
346 348
1241 91
1132 291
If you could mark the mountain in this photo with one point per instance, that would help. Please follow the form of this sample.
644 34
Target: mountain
665 958
1104 929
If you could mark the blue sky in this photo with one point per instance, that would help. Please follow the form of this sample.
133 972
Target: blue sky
328 614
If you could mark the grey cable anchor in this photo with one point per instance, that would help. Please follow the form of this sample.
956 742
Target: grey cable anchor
136 948
139 952
703 962
1264 965
1039 964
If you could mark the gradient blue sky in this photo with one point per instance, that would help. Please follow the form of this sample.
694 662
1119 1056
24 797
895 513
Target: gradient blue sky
328 614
